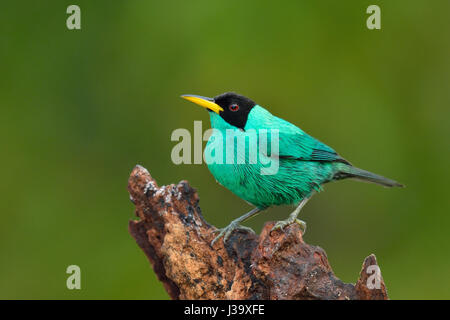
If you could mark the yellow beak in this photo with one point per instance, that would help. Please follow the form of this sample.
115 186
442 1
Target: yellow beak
204 102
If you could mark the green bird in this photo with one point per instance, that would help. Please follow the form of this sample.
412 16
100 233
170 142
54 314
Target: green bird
303 163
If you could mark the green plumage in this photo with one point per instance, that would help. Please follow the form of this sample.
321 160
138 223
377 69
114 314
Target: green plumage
268 161
305 163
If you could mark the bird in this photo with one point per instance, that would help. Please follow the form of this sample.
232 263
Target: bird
304 164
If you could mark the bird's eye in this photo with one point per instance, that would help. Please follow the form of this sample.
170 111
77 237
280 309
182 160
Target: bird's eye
234 107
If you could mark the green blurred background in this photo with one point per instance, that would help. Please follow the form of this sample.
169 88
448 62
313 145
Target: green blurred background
80 108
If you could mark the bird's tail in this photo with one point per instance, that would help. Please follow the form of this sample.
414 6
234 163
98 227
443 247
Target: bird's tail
348 171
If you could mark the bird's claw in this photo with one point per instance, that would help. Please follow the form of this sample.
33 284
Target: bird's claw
227 231
280 225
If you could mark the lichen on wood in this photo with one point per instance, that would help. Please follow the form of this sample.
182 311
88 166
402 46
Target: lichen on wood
176 239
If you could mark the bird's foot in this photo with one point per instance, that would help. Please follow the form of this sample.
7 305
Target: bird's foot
280 225
228 230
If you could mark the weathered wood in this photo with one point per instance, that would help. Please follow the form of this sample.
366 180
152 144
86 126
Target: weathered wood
278 265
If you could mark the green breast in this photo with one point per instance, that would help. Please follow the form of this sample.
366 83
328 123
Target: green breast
230 156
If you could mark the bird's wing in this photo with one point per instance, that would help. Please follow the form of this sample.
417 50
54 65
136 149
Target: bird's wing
295 144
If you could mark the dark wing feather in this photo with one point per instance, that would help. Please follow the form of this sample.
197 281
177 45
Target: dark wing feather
298 145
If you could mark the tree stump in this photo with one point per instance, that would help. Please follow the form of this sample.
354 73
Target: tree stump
279 265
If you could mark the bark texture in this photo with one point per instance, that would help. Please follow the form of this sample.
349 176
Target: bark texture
279 265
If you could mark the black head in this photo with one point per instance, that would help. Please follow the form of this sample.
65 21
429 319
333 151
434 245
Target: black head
235 108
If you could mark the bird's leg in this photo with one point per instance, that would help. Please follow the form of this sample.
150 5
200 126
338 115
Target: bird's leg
235 224
293 218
